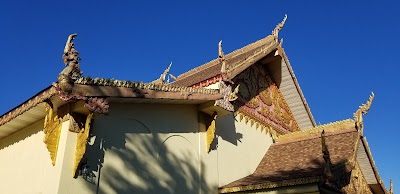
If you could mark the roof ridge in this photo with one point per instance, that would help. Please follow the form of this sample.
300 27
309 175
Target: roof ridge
142 85
232 54
332 127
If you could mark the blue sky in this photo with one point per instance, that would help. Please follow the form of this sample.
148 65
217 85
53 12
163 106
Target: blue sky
340 51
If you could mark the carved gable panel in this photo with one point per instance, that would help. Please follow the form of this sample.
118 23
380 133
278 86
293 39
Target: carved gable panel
260 99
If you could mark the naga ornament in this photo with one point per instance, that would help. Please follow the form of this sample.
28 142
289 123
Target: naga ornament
362 110
72 71
278 28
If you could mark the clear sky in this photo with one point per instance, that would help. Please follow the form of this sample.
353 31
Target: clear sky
340 51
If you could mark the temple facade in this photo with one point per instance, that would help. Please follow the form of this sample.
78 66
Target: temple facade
237 124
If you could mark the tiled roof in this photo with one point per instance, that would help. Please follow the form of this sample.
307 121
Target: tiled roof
141 85
100 82
297 162
213 68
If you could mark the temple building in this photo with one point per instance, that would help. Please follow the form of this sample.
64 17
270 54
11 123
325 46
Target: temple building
237 124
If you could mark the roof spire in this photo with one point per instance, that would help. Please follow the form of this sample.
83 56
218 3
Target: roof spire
221 58
279 27
72 70
325 154
164 77
362 110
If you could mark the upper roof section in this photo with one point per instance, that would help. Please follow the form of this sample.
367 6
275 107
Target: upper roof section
266 51
233 59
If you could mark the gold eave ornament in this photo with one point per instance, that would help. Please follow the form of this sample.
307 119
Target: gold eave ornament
52 130
81 142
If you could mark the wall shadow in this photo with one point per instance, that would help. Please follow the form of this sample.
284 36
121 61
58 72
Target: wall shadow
129 158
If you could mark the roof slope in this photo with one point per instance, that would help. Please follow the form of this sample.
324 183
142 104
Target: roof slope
239 60
298 160
213 68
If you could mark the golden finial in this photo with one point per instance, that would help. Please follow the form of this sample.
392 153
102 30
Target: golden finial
221 58
362 110
220 52
279 27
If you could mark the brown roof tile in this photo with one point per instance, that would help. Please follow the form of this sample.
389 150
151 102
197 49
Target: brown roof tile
213 67
299 160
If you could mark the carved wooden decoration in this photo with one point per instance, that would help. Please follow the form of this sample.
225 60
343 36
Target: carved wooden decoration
357 184
72 70
81 142
260 101
52 130
228 96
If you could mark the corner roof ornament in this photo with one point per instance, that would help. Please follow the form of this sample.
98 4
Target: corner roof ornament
279 28
221 59
165 76
363 110
71 72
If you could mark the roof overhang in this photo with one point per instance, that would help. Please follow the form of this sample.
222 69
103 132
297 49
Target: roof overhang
34 110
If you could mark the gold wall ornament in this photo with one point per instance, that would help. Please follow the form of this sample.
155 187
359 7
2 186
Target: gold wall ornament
362 110
81 143
52 130
211 131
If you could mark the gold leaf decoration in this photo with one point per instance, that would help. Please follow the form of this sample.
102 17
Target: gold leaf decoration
52 130
358 183
211 133
261 101
81 142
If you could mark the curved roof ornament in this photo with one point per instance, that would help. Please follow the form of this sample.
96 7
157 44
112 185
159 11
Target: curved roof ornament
71 72
363 110
221 59
279 27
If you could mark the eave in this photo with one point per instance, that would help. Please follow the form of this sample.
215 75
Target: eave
33 109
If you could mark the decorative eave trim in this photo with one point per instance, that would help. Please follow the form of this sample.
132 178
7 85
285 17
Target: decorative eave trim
269 127
270 185
316 131
27 105
141 85
208 82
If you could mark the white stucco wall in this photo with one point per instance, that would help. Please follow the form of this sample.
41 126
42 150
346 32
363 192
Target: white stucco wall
25 164
154 148
137 148
144 148
241 148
